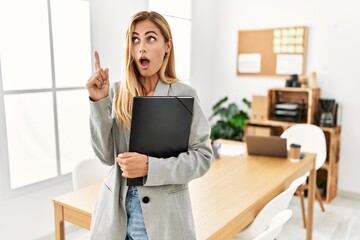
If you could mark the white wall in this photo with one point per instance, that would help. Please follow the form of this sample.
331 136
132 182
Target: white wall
333 52
202 44
109 21
30 216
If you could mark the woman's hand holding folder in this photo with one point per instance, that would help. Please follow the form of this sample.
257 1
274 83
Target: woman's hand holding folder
133 164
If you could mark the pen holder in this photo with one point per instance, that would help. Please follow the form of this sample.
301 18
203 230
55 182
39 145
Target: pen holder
294 153
215 147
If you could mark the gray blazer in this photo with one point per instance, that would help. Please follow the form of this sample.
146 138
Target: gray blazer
168 213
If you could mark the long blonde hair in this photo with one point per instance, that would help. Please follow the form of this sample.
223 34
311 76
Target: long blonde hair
130 86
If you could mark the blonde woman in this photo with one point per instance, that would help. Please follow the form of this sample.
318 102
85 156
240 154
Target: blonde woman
160 209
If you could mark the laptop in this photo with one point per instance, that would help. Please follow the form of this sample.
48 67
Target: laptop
160 127
271 146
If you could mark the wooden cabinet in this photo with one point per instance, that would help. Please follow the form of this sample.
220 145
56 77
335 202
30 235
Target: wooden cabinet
304 99
328 173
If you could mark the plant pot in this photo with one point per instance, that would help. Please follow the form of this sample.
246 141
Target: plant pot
322 191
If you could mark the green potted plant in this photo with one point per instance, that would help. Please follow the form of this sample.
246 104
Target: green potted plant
231 120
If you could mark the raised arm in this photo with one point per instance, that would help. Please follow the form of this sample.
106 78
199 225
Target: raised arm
101 121
98 84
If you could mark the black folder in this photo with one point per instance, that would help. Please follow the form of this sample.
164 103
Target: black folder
160 127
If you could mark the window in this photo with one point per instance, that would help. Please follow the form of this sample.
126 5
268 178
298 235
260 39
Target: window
45 60
178 15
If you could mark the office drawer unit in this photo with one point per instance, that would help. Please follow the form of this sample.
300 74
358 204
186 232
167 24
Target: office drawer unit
293 104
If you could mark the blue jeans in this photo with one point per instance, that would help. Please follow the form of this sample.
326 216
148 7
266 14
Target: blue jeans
136 227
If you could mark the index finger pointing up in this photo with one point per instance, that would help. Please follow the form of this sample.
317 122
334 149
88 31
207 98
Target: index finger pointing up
97 61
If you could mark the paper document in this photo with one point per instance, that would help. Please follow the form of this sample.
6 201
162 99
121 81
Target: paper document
231 149
249 63
289 63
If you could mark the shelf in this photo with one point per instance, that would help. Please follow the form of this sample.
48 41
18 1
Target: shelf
305 98
270 123
295 89
325 166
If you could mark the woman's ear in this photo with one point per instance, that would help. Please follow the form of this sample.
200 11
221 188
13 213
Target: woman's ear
168 46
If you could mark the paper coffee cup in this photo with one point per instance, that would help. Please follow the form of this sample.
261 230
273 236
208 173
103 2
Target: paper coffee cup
294 153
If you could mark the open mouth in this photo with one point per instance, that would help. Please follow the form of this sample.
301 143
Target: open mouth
144 62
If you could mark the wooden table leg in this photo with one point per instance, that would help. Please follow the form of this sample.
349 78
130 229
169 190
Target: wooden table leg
59 222
310 208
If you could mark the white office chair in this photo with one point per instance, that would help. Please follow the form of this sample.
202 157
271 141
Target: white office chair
276 205
89 171
312 140
86 172
275 226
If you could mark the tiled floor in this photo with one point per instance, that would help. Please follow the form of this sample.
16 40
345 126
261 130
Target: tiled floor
72 232
340 221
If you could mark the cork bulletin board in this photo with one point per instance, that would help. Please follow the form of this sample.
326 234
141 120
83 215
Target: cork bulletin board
276 52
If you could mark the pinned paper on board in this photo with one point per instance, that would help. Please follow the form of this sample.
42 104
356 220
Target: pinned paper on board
288 40
249 63
289 63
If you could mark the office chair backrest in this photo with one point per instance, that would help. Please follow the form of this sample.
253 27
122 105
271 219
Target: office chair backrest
310 137
275 226
276 205
88 171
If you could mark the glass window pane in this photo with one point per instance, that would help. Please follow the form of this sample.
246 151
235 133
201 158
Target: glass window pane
25 45
71 38
31 138
74 130
181 30
175 8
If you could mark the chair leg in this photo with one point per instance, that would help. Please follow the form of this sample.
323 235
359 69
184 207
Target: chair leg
300 192
318 197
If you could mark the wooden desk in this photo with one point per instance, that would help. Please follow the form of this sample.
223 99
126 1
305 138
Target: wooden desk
227 198
224 201
75 207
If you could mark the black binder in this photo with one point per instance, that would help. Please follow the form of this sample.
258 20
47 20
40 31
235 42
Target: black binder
160 127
